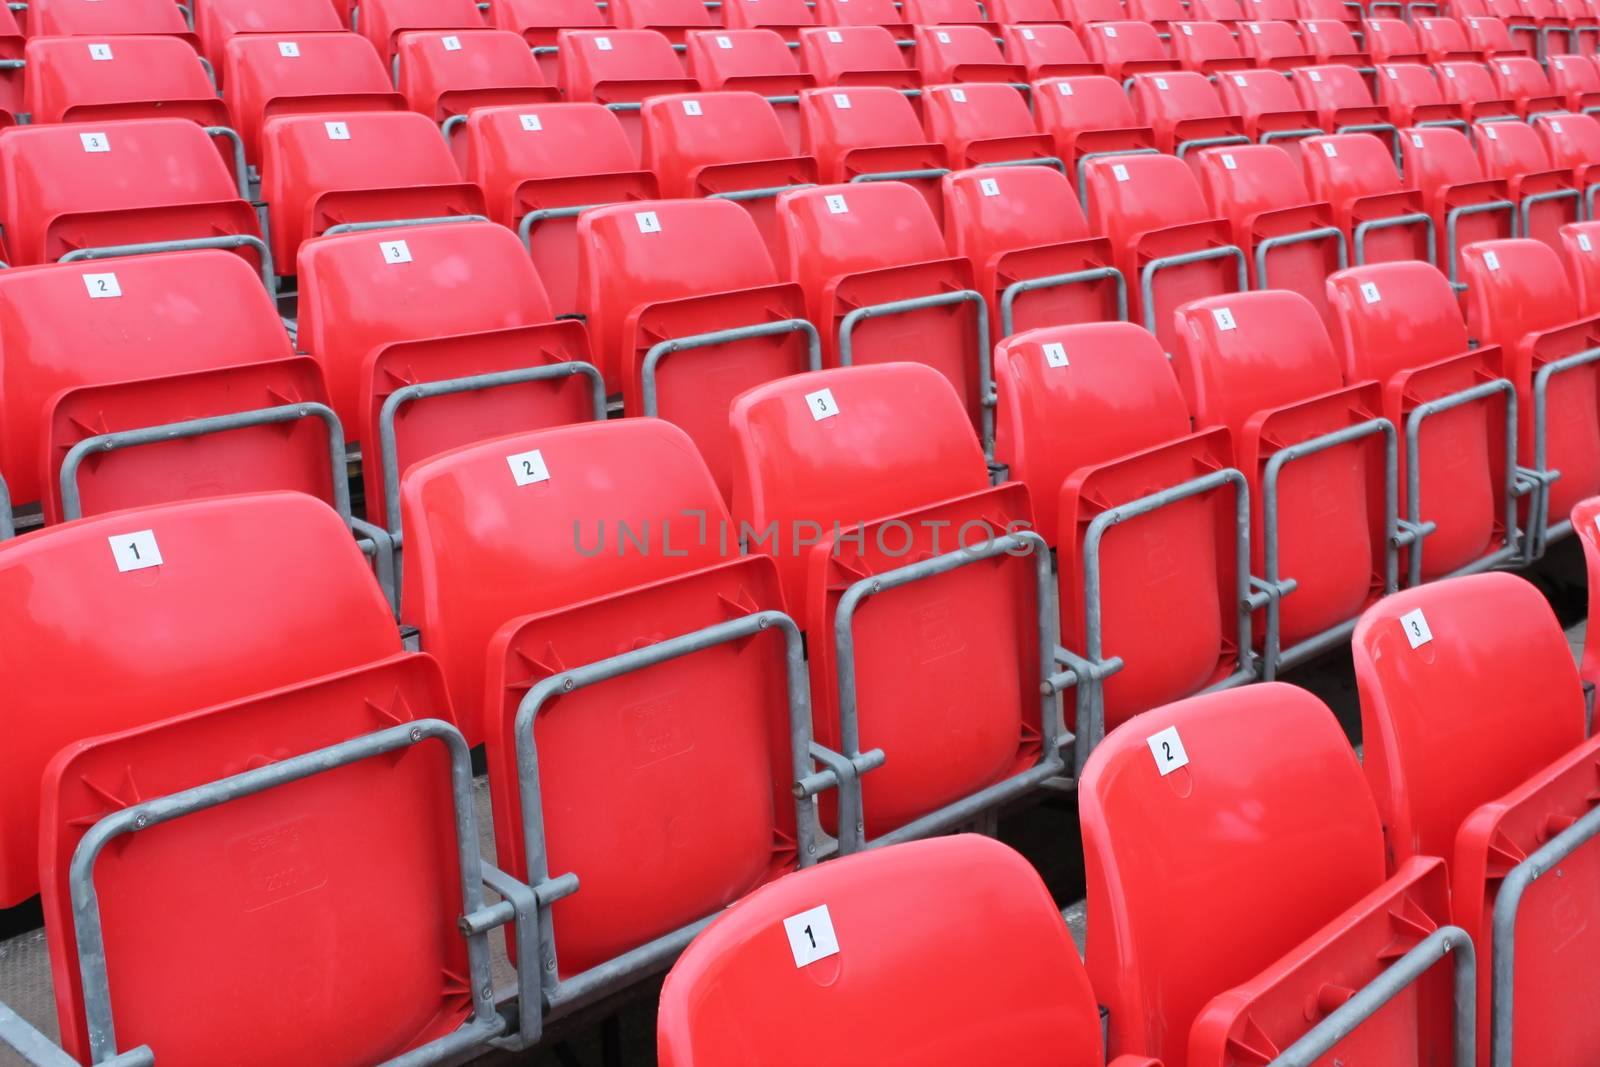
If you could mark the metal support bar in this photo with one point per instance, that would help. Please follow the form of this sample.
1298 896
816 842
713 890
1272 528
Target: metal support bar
1008 297
37 1050
241 169
768 193
662 349
1052 732
1147 276
450 125
1320 233
1209 142
986 394
1412 218
1036 161
1532 200
1452 222
485 1023
926 174
1083 163
188 244
533 218
389 224
1268 136
1371 998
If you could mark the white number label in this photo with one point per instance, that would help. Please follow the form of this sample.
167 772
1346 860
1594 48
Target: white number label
395 251
1027 35
1111 31
841 101
94 142
102 286
648 223
1490 132
603 43
1311 27
944 38
1369 292
1330 149
724 42
100 52
1416 140
1161 83
836 204
135 551
1555 126
1314 75
835 37
1583 242
1491 261
528 467
289 49
958 95
1224 318
1227 161
1064 88
989 186
337 131
1055 354
1188 30
1167 748
811 936
821 404
1416 628
1255 29
531 123
1119 172
451 44
691 107
1239 80
1449 72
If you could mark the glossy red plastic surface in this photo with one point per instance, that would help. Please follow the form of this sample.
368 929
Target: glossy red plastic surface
1181 106
1576 78
1338 95
1047 51
884 13
1444 39
1441 163
1127 48
1517 153
855 55
1489 34
278 879
444 73
382 21
962 54
369 166
217 21
231 621
1392 41
858 130
78 18
1331 41
129 77
756 59
1580 250
1413 95
1522 79
671 17
1266 100
983 123
1273 43
1229 894
1207 47
1087 114
981 911
1355 173
1586 524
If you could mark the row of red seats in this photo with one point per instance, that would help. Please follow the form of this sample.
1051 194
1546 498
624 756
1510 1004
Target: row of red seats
1250 896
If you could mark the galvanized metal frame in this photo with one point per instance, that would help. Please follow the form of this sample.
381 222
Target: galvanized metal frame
538 976
389 224
1268 136
486 1022
1343 1020
662 349
533 218
926 174
1410 218
1053 736
36 1050
1183 147
8 526
771 192
986 391
1550 196
1036 161
1541 530
1452 222
1316 233
1506 904
1381 129
1147 275
1008 297
269 277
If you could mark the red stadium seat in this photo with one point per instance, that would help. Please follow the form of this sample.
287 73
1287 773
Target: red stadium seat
1524 81
876 246
1489 36
1470 87
1445 39
1012 12
1508 793
1466 206
1036 262
1400 324
1328 502
1173 614
787 17
1162 14
1578 80
1341 101
91 18
945 13
983 124
755 60
310 74
1331 41
1580 249
383 311
855 55
74 79
383 21
1047 51
217 21
672 18
868 450
1273 44
446 74
1166 241
1082 13
1088 117
1271 109
1261 781
1380 216
1184 111
1547 193
1229 11
884 13
1574 141
366 166
1586 523
1414 97
1127 48
1392 41
540 22
737 988
1208 47
962 54
722 280
871 133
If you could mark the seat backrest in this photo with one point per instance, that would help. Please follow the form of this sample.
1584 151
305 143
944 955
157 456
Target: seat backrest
537 20
752 975
445 73
1489 34
1114 43
956 115
1342 166
1580 247
665 14
684 132
1083 12
858 13
218 20
1387 38
713 246
1202 786
1253 93
1043 44
1520 76
1157 10
990 210
382 21
752 14
1089 102
1110 381
1574 74
147 75
1435 156
530 510
1131 195
1245 180
1466 83
358 292
1218 10
76 18
1012 12
1330 87
1570 140
197 589
504 149
941 12
901 439
1198 43
1390 317
714 56
1274 10
1408 84
1441 36
1433 667
1270 39
1514 287
830 53
1329 37
941 50
591 57
1169 98
883 224
1246 353
1515 150
271 74
835 121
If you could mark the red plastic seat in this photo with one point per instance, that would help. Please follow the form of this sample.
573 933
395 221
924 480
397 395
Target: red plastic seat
383 21
1271 109
1381 217
1291 242
1127 48
1518 297
1400 324
672 18
366 166
1012 12
1088 116
1331 41
1080 14
173 337
1574 141
870 243
11 79
1273 44
757 60
736 989
1262 782
71 186
962 54
1341 100
546 162
383 310
1524 81
1151 209
1229 11
884 13
856 55
72 79
1577 79
1019 225
945 12
715 144
239 636
1445 39
1422 665
1393 41
539 23
1170 614
555 606
92 18
1489 35
722 278
1580 249
1546 192
1346 11
1270 10
1413 96
899 455
1162 14
1207 47
1047 51
1466 205
309 74
857 132
786 17
1184 111
620 68
217 21
447 74
1472 90
983 123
